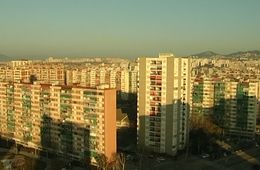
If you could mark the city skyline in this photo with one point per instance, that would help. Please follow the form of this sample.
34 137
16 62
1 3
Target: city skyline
131 114
127 29
123 85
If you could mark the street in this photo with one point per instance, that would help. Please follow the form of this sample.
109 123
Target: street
242 160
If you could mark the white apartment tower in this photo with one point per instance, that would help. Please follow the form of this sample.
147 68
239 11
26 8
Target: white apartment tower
163 97
124 84
92 78
112 79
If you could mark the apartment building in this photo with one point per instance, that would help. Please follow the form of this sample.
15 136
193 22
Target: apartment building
18 63
241 108
124 84
133 81
43 72
73 76
163 103
76 122
232 103
118 76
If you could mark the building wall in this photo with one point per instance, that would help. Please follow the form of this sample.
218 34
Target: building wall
75 121
163 103
233 103
110 123
141 100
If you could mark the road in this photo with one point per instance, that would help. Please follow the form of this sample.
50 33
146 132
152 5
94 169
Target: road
242 160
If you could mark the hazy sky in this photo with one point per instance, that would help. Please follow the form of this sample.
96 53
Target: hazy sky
127 28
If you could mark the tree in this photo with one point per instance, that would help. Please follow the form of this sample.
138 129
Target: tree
102 162
120 161
19 162
203 133
32 78
1 165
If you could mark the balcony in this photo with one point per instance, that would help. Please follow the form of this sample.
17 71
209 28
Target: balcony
155 99
154 93
156 83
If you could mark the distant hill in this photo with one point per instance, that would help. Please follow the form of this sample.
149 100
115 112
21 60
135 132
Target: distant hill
206 54
253 53
5 58
246 54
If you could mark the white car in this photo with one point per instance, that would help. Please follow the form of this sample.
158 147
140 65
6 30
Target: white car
159 159
204 156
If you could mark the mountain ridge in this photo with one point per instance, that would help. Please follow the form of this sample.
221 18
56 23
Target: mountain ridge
4 57
208 53
249 53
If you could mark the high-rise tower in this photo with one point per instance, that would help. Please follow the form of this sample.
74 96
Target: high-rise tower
163 97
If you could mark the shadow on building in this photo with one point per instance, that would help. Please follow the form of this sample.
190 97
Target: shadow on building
164 128
223 134
66 143
211 133
127 135
63 144
163 131
227 128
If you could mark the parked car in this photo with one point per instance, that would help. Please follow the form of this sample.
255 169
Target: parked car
159 159
204 156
